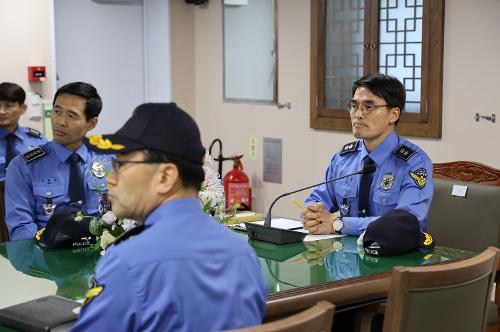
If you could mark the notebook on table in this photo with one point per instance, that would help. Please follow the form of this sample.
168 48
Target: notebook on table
42 314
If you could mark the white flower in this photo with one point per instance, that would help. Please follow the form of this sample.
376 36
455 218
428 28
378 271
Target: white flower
212 191
78 217
106 239
109 217
128 224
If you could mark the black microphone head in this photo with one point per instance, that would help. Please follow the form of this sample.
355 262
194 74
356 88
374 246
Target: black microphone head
369 168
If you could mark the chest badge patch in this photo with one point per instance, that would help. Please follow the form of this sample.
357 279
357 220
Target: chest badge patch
387 181
420 177
344 208
49 207
98 169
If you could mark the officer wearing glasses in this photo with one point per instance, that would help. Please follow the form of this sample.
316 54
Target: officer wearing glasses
403 175
179 270
59 175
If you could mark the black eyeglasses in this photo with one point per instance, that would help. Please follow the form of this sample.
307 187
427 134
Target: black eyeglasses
117 164
366 108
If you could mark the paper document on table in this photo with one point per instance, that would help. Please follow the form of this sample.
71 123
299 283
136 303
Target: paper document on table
294 225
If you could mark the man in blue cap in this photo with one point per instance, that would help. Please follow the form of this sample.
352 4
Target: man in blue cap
179 270
59 175
403 175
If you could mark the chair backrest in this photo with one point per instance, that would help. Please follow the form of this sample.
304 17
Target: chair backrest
467 171
471 222
445 297
315 319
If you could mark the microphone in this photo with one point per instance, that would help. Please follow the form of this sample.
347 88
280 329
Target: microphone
283 236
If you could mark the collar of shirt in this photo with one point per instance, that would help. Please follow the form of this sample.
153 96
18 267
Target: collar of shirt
171 210
18 132
383 150
63 153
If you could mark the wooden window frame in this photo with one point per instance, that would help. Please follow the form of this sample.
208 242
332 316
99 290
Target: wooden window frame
427 123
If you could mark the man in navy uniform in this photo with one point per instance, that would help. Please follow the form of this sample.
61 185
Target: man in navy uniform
179 270
13 138
61 174
403 175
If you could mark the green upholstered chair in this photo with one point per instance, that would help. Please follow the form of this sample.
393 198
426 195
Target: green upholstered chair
318 318
471 222
444 297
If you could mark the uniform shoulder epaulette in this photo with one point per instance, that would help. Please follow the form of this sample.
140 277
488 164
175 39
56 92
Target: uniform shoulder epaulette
349 147
34 154
404 152
33 132
133 231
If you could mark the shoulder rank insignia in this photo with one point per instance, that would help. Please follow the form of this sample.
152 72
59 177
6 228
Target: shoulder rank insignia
404 152
94 291
33 154
419 176
349 147
133 231
33 132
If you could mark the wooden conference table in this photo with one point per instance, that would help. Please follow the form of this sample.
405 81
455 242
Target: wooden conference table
298 275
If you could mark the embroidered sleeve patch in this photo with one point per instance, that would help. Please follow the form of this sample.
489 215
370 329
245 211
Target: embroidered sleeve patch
94 291
404 152
420 177
349 147
33 154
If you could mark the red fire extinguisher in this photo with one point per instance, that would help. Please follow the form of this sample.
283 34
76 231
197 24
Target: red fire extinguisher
237 186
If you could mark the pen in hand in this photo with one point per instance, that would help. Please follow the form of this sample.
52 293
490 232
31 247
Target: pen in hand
294 201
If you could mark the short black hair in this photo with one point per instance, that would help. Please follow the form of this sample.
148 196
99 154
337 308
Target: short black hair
86 91
384 86
12 92
191 174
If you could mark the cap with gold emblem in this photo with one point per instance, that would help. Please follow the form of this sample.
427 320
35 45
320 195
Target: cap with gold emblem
162 127
395 233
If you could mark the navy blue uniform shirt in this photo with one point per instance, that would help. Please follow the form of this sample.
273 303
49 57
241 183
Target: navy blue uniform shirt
402 180
183 272
25 139
40 177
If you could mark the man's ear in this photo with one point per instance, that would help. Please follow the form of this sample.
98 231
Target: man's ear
24 107
395 114
92 123
168 177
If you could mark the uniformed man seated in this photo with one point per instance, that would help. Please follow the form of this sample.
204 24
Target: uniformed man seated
61 174
179 270
403 175
14 139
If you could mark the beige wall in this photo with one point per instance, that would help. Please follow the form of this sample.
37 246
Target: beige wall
25 32
470 80
182 30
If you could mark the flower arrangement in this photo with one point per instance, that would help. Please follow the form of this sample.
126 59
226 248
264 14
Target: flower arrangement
211 194
107 227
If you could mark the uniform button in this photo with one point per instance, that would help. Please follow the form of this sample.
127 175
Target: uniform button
384 200
49 193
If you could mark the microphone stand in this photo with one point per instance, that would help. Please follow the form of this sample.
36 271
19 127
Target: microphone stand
284 236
